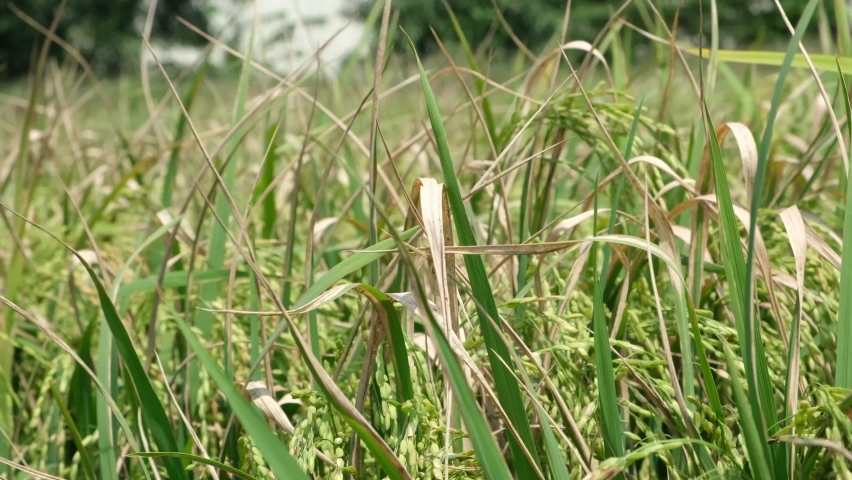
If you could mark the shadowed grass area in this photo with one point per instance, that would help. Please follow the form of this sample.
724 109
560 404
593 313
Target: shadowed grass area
616 260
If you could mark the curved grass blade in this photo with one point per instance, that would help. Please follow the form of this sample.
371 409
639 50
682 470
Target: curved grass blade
389 317
396 338
349 265
153 412
628 151
196 459
274 452
506 385
844 315
107 374
555 459
269 213
110 405
80 386
219 236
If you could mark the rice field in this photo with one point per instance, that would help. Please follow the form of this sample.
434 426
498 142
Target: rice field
619 259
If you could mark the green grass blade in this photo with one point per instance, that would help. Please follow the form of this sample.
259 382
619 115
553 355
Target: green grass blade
487 452
383 303
555 460
254 322
610 419
75 434
732 256
523 260
758 376
775 59
153 413
351 264
508 390
754 441
176 279
107 372
269 213
844 315
274 452
704 365
80 388
196 459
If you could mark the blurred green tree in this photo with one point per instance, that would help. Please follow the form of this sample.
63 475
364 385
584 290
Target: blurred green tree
535 22
106 32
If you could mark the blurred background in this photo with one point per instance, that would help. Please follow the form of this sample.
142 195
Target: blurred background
107 32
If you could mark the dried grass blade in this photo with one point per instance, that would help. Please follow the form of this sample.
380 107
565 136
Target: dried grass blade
795 226
508 390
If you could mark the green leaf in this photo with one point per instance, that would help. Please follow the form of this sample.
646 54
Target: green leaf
486 450
269 212
385 457
506 385
80 386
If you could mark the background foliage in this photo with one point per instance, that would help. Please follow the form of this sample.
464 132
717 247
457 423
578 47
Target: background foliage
535 22
105 31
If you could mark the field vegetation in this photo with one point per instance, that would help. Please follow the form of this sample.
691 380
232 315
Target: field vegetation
589 260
